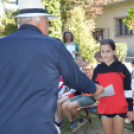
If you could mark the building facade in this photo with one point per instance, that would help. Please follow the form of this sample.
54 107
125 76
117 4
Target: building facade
110 25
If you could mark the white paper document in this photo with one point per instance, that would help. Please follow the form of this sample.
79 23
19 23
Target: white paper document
109 91
71 48
60 83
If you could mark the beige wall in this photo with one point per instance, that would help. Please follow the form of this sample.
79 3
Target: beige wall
107 22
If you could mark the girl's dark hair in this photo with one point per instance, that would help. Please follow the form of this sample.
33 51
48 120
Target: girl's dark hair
111 43
72 37
80 57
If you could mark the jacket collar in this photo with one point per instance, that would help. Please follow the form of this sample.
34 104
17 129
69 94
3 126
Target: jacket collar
29 27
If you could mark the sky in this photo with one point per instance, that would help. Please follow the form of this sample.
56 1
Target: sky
7 6
1 8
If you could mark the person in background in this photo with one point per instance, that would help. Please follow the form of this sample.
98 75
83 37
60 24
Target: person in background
65 94
71 45
79 61
70 106
113 109
97 56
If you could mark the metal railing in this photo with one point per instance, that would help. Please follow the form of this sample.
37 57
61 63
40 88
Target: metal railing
122 30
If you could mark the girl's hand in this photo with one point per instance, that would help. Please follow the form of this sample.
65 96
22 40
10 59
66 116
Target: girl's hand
130 115
59 96
74 52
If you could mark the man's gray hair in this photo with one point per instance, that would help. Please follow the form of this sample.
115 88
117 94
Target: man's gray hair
24 20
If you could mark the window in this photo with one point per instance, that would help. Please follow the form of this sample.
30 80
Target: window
121 29
98 35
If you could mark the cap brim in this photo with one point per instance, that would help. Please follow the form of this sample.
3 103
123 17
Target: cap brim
49 16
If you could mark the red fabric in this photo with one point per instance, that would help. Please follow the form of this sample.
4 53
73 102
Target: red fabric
61 80
71 95
87 94
114 104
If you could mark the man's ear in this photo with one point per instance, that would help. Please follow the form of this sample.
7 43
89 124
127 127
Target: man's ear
42 18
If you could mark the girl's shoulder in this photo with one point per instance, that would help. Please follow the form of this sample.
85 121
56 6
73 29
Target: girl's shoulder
121 66
64 43
98 66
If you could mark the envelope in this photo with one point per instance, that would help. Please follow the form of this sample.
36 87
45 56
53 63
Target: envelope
109 91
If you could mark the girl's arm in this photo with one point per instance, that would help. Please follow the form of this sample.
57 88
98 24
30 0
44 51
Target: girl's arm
127 88
63 90
78 53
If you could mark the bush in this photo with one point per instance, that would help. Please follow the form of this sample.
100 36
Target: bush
121 50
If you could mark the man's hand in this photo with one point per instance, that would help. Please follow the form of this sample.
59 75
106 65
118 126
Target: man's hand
99 90
98 97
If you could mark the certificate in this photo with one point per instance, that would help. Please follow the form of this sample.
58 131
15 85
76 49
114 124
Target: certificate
109 91
71 48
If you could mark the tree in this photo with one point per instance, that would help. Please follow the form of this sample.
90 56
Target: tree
130 21
54 7
78 17
9 24
59 7
78 25
121 50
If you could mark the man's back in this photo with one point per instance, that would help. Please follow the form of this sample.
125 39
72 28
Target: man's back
29 79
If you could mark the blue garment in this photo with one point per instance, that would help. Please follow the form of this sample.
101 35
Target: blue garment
30 68
132 73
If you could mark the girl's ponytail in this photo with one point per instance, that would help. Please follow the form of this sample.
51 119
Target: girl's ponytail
115 57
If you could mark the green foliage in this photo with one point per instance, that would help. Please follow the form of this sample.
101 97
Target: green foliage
78 25
121 50
8 24
130 21
54 7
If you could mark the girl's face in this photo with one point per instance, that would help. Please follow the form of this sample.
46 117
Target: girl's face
68 37
107 53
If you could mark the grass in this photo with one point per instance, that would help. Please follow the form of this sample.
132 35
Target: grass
93 128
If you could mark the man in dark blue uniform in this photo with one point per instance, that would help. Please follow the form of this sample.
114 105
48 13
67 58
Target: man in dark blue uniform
31 64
